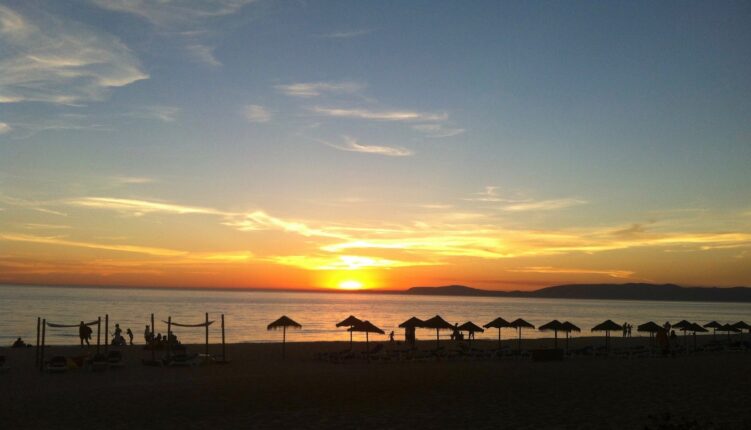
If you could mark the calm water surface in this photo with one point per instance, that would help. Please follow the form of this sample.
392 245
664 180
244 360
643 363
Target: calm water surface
248 313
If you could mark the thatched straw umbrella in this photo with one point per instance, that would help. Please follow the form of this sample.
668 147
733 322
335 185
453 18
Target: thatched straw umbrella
741 325
650 327
568 327
607 327
555 326
438 324
470 328
283 323
729 329
409 326
350 321
696 328
498 323
366 327
714 325
685 327
519 324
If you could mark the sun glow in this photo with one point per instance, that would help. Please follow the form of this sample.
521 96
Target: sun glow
350 284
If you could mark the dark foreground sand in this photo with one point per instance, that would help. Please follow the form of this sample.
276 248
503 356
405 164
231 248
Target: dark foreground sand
257 390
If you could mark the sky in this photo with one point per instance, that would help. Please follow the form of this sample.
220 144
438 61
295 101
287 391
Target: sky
347 144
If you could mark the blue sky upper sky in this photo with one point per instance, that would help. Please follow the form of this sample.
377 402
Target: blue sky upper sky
552 130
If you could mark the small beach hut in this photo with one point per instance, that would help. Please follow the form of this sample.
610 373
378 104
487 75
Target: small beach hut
729 329
349 322
607 327
438 324
650 327
555 326
568 328
366 327
498 323
471 328
714 325
519 324
685 327
283 323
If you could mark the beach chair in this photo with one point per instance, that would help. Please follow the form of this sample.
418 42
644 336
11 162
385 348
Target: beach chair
115 359
57 364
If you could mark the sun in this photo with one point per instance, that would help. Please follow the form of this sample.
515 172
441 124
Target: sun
350 284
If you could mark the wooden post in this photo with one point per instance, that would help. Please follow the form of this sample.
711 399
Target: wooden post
39 328
207 336
367 347
284 341
41 352
98 333
153 344
169 335
224 350
106 333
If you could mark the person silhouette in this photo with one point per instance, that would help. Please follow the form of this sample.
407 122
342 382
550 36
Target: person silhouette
129 332
84 333
391 336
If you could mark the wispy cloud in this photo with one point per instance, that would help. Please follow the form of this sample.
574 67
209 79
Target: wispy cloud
257 113
52 240
140 207
131 180
4 128
172 13
437 131
381 115
352 145
203 54
623 274
544 205
315 89
60 61
346 34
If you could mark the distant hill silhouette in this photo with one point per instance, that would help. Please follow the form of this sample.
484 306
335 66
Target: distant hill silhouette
634 291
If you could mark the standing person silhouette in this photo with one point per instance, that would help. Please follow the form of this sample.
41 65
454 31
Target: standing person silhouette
129 332
84 333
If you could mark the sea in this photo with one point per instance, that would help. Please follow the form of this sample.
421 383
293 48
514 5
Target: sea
247 313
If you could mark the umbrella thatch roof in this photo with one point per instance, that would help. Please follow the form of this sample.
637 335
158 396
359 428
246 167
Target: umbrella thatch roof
569 327
437 323
682 325
608 325
741 325
696 328
649 327
412 322
520 323
554 325
498 323
366 327
349 321
283 322
713 324
470 327
728 328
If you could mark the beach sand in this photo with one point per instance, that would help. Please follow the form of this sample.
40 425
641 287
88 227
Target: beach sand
258 390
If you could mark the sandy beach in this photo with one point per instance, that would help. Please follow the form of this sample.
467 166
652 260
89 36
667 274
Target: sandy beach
257 390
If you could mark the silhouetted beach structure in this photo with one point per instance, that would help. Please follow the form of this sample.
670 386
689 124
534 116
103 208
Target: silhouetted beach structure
568 328
714 325
410 327
172 341
650 327
471 328
349 322
741 325
283 323
685 327
42 325
607 327
696 328
498 323
555 326
729 329
519 324
438 324
366 327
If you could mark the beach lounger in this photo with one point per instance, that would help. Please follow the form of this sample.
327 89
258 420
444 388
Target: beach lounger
98 363
183 360
57 364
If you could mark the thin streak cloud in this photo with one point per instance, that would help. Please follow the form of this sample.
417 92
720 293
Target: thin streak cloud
257 114
383 115
315 89
352 145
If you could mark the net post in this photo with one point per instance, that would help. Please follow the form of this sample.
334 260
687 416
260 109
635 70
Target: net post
106 333
206 350
41 352
169 336
39 328
153 338
224 350
98 333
